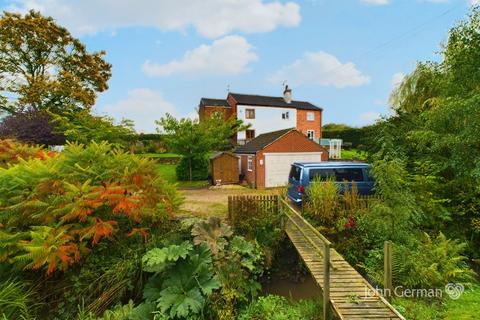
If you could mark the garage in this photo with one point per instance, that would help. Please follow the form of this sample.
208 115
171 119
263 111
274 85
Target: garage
277 166
265 161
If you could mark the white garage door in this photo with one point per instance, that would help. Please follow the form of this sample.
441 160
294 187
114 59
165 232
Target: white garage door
277 165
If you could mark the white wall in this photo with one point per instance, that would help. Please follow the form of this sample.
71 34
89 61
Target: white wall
267 119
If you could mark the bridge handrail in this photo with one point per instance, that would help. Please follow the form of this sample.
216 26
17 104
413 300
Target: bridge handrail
328 243
321 236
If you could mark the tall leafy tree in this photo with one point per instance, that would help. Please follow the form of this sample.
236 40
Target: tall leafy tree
43 66
194 140
435 128
84 127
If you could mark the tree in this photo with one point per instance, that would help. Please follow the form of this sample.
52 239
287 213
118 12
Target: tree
43 67
83 127
434 130
31 126
194 140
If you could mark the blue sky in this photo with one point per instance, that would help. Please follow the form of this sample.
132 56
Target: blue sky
342 55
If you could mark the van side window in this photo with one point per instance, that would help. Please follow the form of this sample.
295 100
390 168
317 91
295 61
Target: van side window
322 174
295 173
349 174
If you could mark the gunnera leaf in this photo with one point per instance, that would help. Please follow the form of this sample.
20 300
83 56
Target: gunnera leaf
156 260
213 233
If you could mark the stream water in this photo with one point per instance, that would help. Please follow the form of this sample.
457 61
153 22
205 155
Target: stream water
289 277
292 289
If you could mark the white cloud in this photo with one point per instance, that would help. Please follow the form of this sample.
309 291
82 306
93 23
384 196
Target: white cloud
226 56
211 18
368 118
397 79
474 2
320 68
376 2
143 106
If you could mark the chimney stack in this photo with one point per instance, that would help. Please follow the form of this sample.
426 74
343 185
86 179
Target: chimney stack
287 95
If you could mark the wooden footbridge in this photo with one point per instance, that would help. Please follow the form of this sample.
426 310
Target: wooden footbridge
346 294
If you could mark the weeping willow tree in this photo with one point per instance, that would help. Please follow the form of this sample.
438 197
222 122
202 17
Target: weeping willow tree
435 131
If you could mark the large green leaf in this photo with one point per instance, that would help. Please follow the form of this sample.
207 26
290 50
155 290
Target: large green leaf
180 304
188 283
213 233
157 259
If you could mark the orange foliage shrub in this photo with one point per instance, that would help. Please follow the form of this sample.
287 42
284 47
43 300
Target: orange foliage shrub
53 209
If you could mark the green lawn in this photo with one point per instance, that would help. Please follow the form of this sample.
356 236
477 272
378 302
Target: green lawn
465 308
167 171
353 154
160 155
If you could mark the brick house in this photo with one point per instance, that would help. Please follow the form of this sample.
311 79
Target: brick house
266 114
265 160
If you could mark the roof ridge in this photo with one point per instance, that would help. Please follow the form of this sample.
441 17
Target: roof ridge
263 140
264 96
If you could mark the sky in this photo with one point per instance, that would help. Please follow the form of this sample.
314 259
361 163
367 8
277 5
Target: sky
342 55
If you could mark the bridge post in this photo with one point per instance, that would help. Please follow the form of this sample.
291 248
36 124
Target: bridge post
387 270
326 282
280 211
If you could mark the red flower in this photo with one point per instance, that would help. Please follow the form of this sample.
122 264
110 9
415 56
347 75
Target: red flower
350 224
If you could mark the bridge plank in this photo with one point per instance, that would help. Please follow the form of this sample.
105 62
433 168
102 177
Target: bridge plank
351 295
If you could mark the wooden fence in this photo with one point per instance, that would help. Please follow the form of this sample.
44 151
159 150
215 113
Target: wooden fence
244 208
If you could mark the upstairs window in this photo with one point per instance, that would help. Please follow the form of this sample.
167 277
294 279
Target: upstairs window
310 116
249 113
285 115
249 134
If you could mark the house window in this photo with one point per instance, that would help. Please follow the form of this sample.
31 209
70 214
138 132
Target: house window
286 115
250 164
310 116
249 113
249 134
311 134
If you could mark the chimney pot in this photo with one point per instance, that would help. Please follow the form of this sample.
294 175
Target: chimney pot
287 95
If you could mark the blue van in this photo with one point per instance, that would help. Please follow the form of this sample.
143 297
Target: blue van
302 173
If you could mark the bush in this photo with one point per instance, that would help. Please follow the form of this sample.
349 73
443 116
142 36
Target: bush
200 168
323 201
57 208
206 275
273 307
260 222
352 137
31 126
429 263
11 152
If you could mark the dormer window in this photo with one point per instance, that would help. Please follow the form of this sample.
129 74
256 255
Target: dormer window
285 115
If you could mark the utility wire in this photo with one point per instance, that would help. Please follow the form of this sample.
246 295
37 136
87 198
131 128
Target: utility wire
410 33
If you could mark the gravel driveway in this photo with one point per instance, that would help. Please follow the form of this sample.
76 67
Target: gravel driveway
213 201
